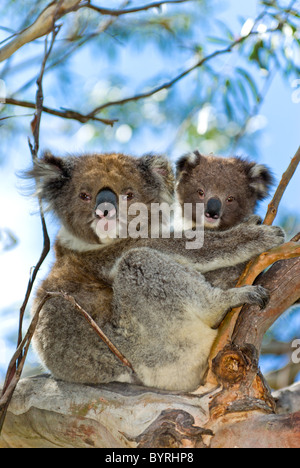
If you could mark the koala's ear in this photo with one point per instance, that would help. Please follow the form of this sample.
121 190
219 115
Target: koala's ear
50 173
188 162
157 171
260 179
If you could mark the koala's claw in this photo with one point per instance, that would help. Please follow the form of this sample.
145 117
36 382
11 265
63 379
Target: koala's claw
260 296
279 233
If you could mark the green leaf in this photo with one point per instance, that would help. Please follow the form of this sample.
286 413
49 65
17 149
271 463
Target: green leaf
217 40
225 28
252 85
228 106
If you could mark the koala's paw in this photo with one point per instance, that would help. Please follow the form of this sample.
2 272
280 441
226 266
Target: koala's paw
253 219
273 236
257 295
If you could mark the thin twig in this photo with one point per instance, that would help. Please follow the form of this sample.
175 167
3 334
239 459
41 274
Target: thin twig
14 371
179 77
17 362
94 326
16 365
70 114
103 27
66 114
113 12
35 126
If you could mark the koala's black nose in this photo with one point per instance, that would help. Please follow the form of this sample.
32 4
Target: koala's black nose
106 204
213 208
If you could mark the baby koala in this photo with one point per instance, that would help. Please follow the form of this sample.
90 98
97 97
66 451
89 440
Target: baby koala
229 188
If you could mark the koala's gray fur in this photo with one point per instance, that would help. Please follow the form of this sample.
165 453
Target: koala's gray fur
236 184
148 295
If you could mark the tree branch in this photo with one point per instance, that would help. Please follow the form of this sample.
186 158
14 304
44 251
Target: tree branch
94 326
42 26
66 114
171 83
259 431
258 265
69 114
236 366
113 12
55 10
290 250
283 282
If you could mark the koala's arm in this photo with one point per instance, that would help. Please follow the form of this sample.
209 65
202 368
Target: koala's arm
236 246
220 250
223 249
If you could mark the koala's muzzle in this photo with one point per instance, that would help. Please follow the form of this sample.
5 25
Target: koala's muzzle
213 209
106 204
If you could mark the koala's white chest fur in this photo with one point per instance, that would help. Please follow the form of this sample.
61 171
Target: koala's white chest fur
192 342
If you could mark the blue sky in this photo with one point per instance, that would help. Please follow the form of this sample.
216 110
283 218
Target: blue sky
279 142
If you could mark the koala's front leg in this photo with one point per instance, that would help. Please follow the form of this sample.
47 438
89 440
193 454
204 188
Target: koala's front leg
236 297
237 245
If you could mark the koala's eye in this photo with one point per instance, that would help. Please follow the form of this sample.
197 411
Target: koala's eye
85 196
128 196
230 199
201 193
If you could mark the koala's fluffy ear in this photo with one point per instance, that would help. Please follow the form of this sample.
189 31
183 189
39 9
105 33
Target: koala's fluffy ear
187 163
157 172
50 173
260 179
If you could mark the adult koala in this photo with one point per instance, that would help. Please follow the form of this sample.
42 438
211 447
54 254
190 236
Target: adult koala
148 295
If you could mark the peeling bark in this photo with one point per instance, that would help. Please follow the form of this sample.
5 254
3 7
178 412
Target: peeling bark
49 413
259 431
